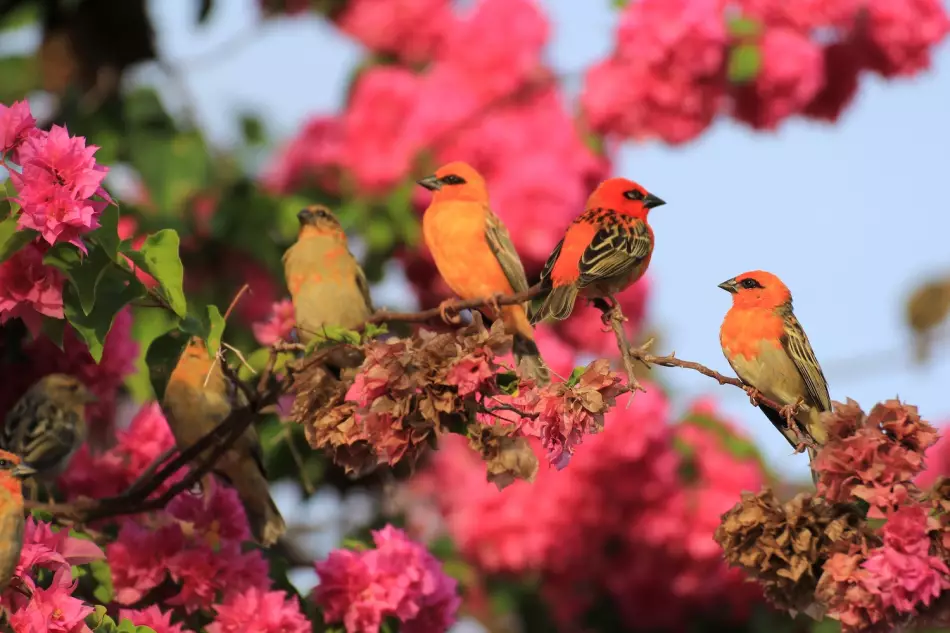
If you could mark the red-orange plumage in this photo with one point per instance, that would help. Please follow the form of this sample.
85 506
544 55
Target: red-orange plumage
605 250
754 317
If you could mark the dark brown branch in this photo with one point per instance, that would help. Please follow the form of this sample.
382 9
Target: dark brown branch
384 316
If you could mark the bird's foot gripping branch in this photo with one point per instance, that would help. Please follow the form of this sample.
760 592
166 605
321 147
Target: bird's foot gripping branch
870 548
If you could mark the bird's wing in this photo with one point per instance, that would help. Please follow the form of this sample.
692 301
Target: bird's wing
504 250
42 433
614 250
549 265
799 350
363 285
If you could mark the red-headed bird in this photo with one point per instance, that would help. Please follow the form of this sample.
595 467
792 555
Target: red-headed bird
475 255
12 473
767 347
604 251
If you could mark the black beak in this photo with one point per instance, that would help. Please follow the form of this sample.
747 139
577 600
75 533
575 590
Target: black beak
22 471
431 183
651 201
730 285
305 216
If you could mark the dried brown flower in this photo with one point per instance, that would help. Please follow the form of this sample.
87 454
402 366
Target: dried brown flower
507 458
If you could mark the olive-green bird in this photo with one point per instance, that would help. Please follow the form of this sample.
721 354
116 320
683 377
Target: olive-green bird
47 425
326 284
198 398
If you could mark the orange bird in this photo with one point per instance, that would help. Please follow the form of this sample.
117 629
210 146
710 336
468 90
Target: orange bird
475 255
767 347
12 472
198 398
605 250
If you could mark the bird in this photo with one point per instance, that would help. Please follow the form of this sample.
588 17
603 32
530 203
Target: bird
326 283
47 425
925 310
197 398
769 351
604 250
474 254
12 473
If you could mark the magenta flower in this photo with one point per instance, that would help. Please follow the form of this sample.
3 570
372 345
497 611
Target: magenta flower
257 611
399 578
152 617
52 610
472 372
42 547
56 187
30 290
16 122
278 326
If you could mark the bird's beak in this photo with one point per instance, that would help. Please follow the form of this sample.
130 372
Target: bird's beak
304 216
22 471
651 201
730 285
431 183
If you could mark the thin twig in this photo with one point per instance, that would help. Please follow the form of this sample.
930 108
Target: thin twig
385 316
241 358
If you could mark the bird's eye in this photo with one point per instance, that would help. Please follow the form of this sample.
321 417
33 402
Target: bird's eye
452 179
750 283
634 194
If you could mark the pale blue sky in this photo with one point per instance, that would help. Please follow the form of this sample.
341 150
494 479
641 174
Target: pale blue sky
851 216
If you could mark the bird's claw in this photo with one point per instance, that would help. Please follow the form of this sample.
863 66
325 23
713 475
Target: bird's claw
801 447
788 412
493 304
754 396
449 312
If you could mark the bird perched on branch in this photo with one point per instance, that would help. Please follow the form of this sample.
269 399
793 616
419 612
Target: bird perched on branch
47 425
604 251
475 255
326 284
12 472
197 399
767 347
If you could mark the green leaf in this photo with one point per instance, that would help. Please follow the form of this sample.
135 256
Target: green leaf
209 326
54 330
337 334
161 358
20 77
159 258
372 330
113 294
619 4
107 235
173 165
102 573
252 129
257 360
575 376
741 27
13 239
508 382
84 273
99 620
745 60
147 325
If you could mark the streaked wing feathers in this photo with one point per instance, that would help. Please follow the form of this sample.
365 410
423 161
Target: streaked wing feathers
504 250
363 285
549 265
40 432
799 350
614 251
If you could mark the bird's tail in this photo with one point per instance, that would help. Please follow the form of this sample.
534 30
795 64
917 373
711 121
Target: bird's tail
558 304
266 523
528 359
812 453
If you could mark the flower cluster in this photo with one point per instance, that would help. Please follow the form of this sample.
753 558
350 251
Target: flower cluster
644 497
397 579
52 607
58 183
678 64
822 555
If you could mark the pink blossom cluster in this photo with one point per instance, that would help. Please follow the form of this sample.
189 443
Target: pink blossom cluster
197 543
669 75
52 608
632 519
58 183
278 326
891 581
398 579
873 457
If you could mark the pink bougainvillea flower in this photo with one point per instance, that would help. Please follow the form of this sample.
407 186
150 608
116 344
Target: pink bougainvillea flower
313 156
30 290
16 122
399 578
278 325
57 186
152 617
52 610
897 36
471 373
256 611
42 547
412 30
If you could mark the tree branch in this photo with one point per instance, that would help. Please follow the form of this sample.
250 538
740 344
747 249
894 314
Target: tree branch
456 306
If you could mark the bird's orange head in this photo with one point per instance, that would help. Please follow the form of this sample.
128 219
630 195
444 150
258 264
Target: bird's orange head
623 196
12 471
757 289
194 362
456 181
318 220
